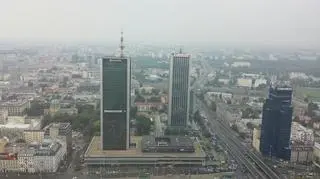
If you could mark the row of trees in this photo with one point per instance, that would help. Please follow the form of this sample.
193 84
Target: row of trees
203 126
88 119
249 113
142 123
311 108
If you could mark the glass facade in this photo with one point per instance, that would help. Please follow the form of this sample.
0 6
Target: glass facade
276 123
115 102
179 104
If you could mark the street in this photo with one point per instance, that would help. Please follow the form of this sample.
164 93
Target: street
255 166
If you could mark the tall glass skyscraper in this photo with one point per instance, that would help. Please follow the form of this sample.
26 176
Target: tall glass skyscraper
276 123
179 90
115 104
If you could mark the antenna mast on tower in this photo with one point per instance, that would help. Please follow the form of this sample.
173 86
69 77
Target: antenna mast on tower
121 44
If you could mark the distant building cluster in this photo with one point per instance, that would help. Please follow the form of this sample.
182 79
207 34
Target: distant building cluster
38 150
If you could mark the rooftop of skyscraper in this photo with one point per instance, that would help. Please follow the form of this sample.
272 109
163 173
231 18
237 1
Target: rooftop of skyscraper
282 85
182 55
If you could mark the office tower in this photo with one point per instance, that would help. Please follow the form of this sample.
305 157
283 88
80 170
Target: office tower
115 104
276 123
179 90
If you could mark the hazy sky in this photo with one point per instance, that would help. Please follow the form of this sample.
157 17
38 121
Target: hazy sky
172 21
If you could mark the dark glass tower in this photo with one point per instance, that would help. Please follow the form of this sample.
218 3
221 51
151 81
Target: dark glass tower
179 90
191 106
115 104
276 123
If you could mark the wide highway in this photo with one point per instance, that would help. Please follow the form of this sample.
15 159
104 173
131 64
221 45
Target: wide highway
242 154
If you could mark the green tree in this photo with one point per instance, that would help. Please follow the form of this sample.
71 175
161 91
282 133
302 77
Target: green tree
261 87
139 98
85 107
261 100
154 99
155 91
242 135
213 106
311 108
133 111
175 131
250 125
36 109
250 113
296 119
143 91
234 127
143 125
197 116
96 127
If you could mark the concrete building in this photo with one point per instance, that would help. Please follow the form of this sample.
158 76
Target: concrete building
146 89
3 116
241 64
43 157
244 82
302 134
54 106
115 103
16 107
63 130
229 113
179 90
298 75
302 141
301 153
148 106
68 111
316 154
256 139
33 136
9 165
143 154
260 81
3 143
14 130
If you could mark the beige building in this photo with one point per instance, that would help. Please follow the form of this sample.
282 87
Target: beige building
9 165
54 106
302 141
33 136
63 130
45 157
3 116
256 139
16 107
3 143
301 153
316 154
16 119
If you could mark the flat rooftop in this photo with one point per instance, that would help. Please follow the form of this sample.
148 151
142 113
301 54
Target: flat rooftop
167 144
94 150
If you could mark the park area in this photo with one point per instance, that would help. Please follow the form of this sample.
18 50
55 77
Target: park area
310 93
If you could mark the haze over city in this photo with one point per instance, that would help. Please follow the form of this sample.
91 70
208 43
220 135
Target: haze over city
157 89
245 22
